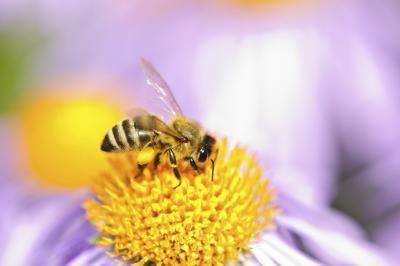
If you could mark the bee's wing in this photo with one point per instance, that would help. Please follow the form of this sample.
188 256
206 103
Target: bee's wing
162 127
161 88
136 112
159 125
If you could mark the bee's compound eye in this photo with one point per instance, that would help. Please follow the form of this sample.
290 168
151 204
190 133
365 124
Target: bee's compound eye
202 155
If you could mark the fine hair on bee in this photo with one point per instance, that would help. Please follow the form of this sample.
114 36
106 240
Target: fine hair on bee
181 139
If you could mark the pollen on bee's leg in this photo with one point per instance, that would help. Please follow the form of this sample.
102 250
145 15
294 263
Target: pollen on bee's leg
145 156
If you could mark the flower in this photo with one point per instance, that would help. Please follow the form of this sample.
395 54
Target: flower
232 219
202 222
287 112
53 229
55 232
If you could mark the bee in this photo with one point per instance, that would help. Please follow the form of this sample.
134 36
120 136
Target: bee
181 139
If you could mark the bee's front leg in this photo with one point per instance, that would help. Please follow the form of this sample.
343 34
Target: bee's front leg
193 164
172 160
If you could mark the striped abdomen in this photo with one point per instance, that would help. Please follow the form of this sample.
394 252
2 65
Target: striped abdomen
126 135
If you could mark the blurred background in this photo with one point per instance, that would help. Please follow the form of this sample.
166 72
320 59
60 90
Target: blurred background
311 87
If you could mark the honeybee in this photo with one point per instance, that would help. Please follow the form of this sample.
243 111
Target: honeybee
181 139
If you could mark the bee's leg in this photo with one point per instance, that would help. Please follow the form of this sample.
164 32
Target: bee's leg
193 164
141 168
157 160
144 157
172 160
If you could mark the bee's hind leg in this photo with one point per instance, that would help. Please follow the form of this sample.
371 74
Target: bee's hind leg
144 158
157 160
172 160
155 163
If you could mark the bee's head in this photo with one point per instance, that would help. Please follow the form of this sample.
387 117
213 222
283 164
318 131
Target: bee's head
206 149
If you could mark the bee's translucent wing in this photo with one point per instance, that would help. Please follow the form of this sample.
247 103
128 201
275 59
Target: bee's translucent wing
136 112
161 88
158 125
161 126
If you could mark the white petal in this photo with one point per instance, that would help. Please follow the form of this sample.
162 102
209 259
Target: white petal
335 247
93 256
27 232
280 258
287 255
261 257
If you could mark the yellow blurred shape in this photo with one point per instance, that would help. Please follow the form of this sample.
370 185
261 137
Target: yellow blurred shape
62 136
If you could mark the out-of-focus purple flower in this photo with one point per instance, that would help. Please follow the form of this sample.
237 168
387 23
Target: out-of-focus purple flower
372 196
363 102
53 230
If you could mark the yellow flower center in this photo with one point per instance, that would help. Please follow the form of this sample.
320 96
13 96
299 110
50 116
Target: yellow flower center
202 222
